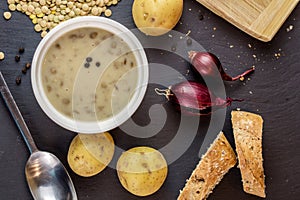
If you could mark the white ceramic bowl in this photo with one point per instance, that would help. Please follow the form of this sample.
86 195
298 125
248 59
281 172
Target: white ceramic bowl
90 126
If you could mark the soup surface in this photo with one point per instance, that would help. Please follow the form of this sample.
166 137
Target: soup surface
89 74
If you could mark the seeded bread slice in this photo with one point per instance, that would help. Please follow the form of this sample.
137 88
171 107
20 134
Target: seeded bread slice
213 165
247 130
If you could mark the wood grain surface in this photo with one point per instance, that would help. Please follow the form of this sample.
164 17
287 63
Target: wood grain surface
259 18
272 91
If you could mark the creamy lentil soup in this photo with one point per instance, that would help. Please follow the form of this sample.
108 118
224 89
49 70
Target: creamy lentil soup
89 74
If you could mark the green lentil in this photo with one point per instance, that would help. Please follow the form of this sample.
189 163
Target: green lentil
37 28
43 33
24 7
10 1
18 7
46 14
107 12
12 7
7 15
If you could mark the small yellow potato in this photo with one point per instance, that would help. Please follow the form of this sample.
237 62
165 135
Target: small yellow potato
142 170
156 17
89 154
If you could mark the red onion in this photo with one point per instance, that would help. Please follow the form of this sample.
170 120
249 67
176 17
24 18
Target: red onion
207 64
194 98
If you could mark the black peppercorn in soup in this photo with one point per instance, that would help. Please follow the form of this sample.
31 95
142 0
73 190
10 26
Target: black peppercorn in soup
89 74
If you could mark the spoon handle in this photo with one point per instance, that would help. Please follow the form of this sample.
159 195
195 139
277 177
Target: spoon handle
15 112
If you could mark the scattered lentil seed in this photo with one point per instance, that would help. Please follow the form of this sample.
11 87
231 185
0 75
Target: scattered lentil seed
17 58
56 19
11 1
37 10
12 7
32 16
2 55
85 7
44 33
55 11
70 4
37 28
34 21
7 15
30 8
18 80
42 2
43 23
95 11
24 7
61 18
107 12
40 15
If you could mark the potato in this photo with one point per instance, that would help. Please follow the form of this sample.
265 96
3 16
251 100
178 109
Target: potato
142 170
89 154
156 17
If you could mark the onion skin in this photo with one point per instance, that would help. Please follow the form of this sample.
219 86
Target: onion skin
207 64
193 98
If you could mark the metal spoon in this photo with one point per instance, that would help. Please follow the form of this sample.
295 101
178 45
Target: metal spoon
46 176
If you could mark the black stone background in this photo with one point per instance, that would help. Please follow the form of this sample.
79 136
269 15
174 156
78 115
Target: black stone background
275 96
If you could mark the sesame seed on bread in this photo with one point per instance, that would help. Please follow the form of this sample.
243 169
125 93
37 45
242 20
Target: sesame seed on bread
247 130
213 165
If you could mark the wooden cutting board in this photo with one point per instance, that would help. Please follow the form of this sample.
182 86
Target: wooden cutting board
259 18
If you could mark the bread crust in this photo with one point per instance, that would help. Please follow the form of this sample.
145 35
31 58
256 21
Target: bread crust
213 165
247 130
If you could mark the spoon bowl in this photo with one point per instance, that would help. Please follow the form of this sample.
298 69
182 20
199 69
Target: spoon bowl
46 177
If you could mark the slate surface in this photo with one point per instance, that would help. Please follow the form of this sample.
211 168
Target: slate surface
272 91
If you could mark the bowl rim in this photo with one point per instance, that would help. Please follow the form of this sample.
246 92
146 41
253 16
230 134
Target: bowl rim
90 126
